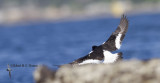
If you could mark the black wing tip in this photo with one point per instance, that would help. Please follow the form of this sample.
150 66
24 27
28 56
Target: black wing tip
124 19
124 24
124 16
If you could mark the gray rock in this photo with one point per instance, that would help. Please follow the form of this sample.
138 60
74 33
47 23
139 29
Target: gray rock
133 71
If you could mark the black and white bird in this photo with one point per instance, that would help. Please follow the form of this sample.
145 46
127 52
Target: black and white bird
9 70
103 53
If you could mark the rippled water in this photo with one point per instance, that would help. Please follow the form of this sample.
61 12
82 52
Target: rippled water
53 43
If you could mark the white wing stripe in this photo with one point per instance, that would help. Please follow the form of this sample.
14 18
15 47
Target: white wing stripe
118 41
92 61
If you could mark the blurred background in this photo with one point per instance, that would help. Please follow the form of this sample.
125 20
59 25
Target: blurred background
54 32
23 10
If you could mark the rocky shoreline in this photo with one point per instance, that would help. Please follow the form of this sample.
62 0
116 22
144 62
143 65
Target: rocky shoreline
132 71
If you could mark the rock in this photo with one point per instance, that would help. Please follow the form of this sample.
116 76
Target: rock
44 75
133 71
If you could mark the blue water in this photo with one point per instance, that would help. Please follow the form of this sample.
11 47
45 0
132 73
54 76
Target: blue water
51 43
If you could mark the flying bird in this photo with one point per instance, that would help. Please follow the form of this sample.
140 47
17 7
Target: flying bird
103 53
9 70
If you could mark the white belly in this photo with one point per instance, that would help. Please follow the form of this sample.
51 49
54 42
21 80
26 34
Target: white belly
109 57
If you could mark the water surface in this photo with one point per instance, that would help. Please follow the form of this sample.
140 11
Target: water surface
53 43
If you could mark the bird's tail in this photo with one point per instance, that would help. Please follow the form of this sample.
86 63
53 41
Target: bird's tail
120 57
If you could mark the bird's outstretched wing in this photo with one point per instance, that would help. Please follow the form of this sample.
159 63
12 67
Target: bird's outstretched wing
115 40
